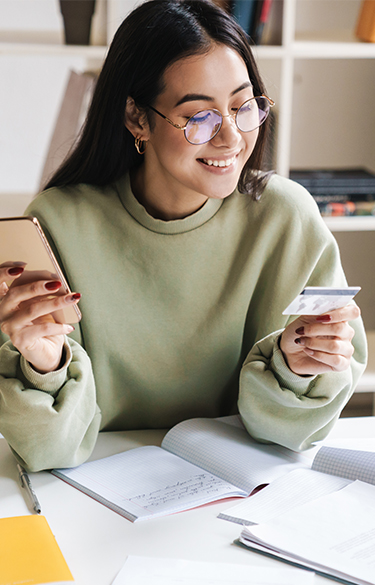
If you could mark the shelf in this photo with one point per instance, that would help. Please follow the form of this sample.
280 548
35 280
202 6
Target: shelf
87 51
268 51
350 224
332 50
317 49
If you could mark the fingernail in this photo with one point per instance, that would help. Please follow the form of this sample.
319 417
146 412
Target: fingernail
300 331
16 271
69 328
53 285
73 297
324 318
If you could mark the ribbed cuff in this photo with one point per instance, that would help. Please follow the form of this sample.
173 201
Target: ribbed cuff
52 381
286 378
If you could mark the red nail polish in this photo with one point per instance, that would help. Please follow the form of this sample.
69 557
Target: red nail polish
16 271
300 331
53 285
75 297
324 318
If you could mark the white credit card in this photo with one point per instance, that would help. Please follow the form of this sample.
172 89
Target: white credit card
316 300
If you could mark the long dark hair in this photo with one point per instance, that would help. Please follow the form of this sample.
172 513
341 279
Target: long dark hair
153 36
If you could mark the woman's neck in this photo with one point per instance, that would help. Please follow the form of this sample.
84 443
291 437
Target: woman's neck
160 204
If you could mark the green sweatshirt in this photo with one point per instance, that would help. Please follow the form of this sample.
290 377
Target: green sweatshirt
180 319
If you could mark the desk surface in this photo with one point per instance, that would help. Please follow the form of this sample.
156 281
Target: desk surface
95 541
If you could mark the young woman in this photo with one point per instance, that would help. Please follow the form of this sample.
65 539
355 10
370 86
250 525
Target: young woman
185 255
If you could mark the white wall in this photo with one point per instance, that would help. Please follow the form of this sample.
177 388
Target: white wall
31 90
30 15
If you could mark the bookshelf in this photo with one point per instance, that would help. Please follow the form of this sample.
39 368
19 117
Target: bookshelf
289 69
319 75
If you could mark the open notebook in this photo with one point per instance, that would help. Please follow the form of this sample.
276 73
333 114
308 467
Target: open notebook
199 461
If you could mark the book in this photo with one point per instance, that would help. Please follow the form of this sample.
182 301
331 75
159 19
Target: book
346 208
29 552
339 185
73 110
199 461
333 535
332 469
260 21
365 29
273 26
244 11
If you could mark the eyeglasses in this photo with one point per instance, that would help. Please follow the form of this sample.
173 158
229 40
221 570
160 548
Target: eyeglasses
204 125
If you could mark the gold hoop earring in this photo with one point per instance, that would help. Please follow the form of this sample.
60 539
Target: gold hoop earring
140 145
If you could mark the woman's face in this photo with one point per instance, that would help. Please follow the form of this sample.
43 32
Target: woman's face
184 175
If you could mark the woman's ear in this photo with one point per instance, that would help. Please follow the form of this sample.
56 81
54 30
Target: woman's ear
136 120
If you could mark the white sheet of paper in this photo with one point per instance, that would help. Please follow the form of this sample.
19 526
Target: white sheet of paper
349 459
336 531
285 493
156 571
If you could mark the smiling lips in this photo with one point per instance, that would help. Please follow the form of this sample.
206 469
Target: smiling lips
218 163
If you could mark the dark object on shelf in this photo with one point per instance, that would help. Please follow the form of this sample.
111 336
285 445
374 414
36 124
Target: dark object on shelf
260 19
244 12
262 13
337 185
77 15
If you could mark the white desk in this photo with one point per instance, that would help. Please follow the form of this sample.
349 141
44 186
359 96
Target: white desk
96 541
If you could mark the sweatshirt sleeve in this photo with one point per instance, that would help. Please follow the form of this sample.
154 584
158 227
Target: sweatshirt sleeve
276 404
49 420
281 407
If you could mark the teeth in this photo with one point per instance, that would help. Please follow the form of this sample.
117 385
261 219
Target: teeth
219 163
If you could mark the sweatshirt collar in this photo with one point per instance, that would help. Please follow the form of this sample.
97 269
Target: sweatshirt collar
177 226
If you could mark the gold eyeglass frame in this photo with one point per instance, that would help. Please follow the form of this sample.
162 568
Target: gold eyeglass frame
233 115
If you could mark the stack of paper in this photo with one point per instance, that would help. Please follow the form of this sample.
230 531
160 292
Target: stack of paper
333 535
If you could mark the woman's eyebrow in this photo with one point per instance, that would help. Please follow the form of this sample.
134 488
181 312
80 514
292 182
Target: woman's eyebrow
243 86
194 97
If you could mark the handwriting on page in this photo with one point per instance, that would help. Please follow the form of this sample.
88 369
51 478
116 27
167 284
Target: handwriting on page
196 486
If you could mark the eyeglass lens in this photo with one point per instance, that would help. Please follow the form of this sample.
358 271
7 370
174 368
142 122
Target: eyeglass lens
204 126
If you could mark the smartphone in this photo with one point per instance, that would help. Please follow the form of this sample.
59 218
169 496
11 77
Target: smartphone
316 300
22 240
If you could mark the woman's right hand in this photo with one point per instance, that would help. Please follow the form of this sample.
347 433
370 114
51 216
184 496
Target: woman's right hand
25 316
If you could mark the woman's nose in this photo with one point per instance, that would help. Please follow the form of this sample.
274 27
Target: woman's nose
228 134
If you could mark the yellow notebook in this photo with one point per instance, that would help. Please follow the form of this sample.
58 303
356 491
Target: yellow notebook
29 553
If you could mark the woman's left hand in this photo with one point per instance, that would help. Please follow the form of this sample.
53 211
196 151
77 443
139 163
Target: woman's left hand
316 344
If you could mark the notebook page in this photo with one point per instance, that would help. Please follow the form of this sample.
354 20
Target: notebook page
230 453
347 463
285 493
147 482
